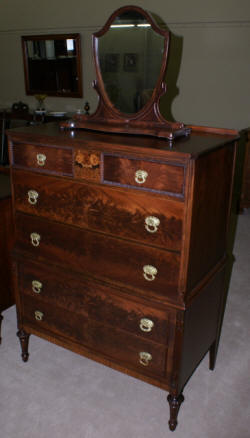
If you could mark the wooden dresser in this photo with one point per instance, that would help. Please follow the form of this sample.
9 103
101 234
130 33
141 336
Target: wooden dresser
6 241
121 247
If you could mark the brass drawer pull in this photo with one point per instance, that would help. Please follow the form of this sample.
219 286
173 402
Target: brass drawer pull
39 315
146 325
149 272
41 158
144 358
36 286
152 223
141 176
35 239
32 197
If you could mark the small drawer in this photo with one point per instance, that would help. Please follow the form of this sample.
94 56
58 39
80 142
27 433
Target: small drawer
113 344
146 175
47 159
93 300
132 265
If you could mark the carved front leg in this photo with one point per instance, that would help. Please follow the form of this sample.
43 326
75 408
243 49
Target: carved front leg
174 404
1 318
24 341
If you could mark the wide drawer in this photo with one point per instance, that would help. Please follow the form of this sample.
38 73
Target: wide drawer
52 160
93 300
115 344
139 216
147 175
137 266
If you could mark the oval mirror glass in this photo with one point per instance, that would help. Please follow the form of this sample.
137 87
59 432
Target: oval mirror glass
130 57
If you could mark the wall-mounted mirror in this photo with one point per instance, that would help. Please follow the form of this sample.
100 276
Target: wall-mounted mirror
52 65
130 54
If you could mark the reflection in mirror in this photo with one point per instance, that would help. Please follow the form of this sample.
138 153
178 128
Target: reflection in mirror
52 64
130 56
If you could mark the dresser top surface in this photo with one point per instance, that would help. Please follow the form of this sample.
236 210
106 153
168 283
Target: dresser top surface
198 143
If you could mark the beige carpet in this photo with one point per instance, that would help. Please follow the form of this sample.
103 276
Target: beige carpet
60 394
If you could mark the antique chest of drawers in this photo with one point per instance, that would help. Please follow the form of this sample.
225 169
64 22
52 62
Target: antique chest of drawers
121 247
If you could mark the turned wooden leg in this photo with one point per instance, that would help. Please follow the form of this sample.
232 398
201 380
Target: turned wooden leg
1 318
174 404
24 341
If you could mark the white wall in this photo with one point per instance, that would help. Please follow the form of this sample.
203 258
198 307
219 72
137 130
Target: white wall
214 77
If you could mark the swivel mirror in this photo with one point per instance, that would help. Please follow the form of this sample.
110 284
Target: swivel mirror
130 54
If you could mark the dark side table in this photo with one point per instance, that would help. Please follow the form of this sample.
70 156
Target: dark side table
6 242
245 194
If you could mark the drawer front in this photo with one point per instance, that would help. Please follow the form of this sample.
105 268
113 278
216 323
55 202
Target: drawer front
99 255
115 344
52 160
139 216
93 300
146 175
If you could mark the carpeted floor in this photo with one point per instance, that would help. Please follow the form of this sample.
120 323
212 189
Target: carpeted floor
60 394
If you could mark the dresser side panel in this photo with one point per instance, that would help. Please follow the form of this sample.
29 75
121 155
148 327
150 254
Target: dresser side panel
213 179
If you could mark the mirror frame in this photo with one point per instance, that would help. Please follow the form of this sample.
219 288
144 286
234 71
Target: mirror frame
43 37
99 85
148 120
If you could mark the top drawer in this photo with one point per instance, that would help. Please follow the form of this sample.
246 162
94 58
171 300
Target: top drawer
52 160
145 175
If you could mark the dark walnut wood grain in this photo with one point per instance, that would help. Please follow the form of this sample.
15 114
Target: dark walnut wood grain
160 177
114 211
100 255
90 215
117 344
93 300
55 160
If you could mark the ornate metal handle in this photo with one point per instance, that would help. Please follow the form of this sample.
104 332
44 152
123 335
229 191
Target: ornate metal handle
146 325
41 158
32 197
149 272
39 315
145 358
37 286
152 223
35 239
141 176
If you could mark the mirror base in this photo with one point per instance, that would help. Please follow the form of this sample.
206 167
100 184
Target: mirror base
166 130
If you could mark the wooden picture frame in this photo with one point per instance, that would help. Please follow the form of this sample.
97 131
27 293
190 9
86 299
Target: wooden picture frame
130 62
52 64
